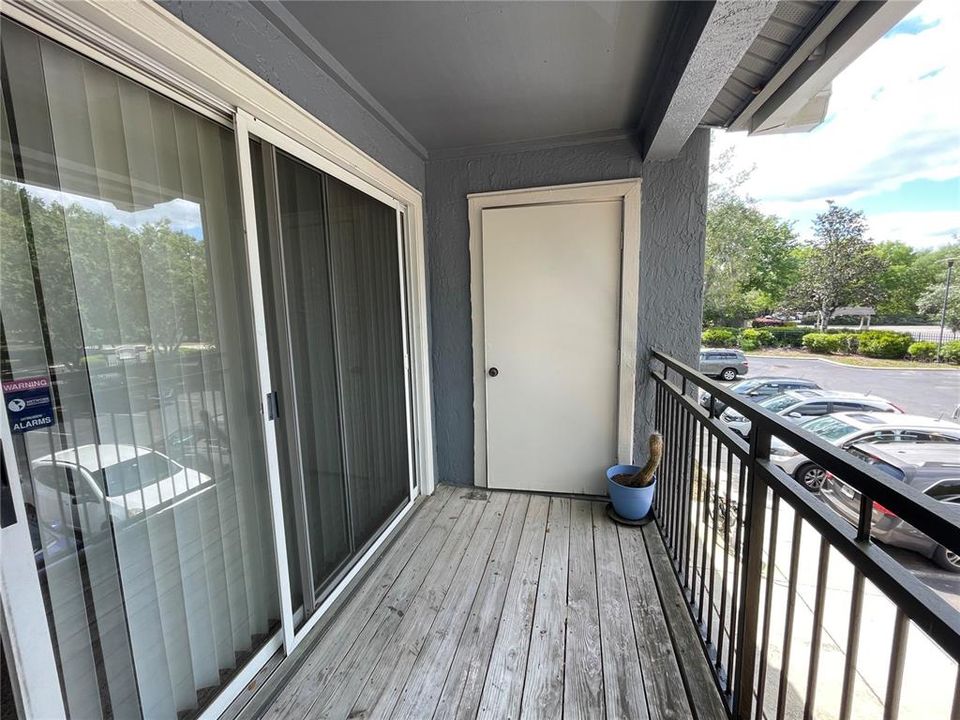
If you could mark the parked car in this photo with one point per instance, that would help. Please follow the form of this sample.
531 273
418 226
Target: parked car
759 388
723 363
87 487
845 429
800 405
933 469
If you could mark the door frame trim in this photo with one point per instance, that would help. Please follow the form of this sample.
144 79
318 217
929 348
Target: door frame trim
626 190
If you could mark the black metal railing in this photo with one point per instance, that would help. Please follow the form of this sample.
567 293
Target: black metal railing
754 550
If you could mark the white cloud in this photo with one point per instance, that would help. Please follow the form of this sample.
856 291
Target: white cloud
893 118
919 229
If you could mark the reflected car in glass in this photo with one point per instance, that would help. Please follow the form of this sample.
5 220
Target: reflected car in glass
89 487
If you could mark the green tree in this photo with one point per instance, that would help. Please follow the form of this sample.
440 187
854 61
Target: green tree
750 256
840 268
903 280
931 303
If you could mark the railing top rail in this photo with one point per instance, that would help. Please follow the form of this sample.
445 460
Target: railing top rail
936 519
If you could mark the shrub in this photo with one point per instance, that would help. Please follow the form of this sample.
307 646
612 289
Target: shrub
951 352
849 342
718 337
825 343
923 350
788 336
884 344
751 339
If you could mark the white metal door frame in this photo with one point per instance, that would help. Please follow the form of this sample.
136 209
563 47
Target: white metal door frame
246 126
34 671
627 191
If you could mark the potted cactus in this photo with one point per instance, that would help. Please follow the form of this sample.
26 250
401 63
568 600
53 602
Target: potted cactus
631 487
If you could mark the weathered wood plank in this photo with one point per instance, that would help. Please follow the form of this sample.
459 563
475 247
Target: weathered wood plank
461 692
503 688
583 679
392 674
666 695
300 692
702 690
623 680
420 697
341 687
543 686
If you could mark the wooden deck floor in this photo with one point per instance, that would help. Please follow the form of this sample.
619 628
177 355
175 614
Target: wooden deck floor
506 605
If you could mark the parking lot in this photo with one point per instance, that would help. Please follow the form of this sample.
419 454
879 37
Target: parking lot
921 392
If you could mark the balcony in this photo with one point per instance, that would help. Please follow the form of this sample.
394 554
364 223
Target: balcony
499 604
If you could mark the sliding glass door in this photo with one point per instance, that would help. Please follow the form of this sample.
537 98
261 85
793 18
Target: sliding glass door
129 375
206 381
331 261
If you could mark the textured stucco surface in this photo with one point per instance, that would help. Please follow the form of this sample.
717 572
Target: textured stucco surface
671 264
237 27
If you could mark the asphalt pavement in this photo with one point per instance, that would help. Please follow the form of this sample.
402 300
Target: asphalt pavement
920 392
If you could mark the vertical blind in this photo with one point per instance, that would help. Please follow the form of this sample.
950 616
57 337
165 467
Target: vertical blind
124 284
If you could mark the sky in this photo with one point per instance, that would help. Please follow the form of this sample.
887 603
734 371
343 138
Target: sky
890 144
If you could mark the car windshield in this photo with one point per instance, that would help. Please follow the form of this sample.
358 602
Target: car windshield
778 403
829 428
138 472
744 385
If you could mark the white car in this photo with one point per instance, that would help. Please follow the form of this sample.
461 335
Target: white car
845 429
800 405
87 487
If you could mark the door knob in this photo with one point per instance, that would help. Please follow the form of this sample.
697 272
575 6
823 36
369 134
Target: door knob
493 372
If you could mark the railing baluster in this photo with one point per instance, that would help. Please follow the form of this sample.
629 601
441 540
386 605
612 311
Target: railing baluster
704 510
898 649
767 607
714 513
853 646
735 593
726 561
817 632
697 473
687 500
788 622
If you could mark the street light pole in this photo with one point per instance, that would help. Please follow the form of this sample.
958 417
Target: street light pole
943 311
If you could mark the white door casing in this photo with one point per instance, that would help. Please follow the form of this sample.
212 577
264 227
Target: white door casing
555 311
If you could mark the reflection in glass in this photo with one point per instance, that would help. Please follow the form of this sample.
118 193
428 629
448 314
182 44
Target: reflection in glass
124 285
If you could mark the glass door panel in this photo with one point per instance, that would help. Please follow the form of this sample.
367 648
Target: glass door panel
125 321
331 268
366 262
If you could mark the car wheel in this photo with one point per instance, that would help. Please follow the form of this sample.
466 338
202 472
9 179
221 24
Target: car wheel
811 477
947 559
728 374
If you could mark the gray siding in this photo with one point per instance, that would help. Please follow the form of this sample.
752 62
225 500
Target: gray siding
237 27
671 265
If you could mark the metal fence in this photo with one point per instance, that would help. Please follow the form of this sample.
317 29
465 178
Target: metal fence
753 551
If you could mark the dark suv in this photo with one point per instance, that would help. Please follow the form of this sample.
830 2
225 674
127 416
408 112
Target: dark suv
931 468
759 388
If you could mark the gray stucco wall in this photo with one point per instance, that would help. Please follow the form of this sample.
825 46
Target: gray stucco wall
671 265
237 27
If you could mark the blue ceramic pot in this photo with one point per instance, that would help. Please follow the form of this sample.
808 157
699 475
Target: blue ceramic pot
630 503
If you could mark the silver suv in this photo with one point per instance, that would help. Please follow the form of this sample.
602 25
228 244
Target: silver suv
723 363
